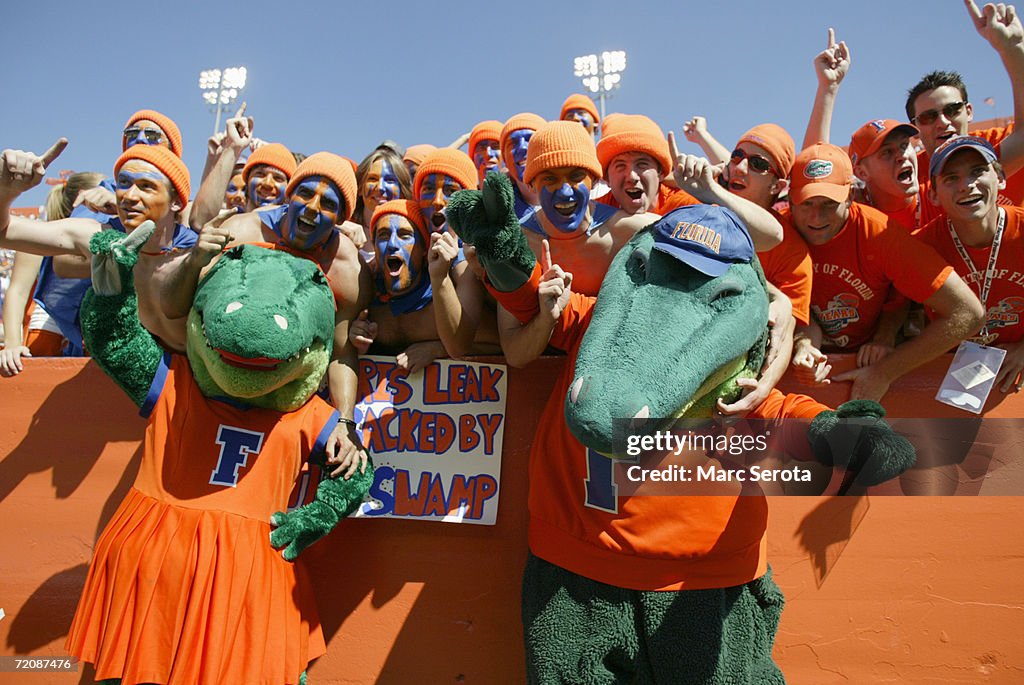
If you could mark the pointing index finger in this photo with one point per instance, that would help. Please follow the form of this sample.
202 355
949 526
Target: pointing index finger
972 9
673 151
54 151
831 37
545 257
241 110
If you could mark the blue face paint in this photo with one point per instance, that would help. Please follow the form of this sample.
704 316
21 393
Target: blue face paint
582 116
567 223
313 210
234 197
389 188
519 143
141 194
266 186
486 157
399 253
435 191
126 179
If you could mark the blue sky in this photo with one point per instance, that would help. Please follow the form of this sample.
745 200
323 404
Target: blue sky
343 76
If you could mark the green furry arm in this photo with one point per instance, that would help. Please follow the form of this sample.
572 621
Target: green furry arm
336 498
110 322
487 220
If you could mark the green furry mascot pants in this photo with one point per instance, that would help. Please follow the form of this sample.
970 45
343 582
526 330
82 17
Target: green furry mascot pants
584 632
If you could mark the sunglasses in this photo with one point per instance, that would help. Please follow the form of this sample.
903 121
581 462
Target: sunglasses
756 162
153 136
930 115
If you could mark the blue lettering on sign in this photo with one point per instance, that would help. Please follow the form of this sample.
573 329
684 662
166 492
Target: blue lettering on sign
236 444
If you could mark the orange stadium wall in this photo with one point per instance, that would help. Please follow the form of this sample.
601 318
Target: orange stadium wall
879 589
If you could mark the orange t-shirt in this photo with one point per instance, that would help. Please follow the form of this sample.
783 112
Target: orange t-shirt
788 267
1005 305
853 272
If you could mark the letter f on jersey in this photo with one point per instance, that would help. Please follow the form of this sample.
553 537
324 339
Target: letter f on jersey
236 444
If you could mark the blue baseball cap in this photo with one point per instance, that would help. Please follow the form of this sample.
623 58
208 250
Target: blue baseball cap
954 145
707 237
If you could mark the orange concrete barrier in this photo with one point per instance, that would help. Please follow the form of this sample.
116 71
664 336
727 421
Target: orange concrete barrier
879 589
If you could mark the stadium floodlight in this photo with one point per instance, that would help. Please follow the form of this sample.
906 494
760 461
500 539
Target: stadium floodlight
221 88
601 75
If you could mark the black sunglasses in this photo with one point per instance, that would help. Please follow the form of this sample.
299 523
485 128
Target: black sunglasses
756 162
930 115
154 136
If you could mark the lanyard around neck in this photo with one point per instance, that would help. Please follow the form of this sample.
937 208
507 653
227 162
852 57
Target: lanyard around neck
992 258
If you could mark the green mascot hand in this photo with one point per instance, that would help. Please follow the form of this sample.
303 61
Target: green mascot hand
487 220
114 256
335 499
855 437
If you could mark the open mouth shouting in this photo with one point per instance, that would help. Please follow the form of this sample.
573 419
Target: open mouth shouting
438 220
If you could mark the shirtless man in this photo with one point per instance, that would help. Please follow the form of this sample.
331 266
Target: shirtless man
320 196
151 183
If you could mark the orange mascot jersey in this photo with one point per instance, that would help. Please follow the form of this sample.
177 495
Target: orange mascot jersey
184 586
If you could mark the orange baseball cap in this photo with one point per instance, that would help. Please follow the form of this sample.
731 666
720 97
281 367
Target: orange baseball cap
774 140
869 137
822 170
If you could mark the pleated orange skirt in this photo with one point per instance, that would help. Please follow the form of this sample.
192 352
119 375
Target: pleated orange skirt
189 596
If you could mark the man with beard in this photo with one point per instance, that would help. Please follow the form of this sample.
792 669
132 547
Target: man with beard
402 319
319 198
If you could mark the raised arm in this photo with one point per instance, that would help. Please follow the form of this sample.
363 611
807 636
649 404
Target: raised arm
696 131
458 296
210 197
698 177
830 65
1001 27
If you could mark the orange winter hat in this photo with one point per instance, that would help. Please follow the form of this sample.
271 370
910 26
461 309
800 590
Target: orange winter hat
579 101
165 123
410 209
776 142
485 130
417 153
331 166
633 133
446 160
560 144
169 164
515 123
271 154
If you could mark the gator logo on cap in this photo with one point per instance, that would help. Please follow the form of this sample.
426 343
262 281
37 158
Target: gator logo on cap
818 168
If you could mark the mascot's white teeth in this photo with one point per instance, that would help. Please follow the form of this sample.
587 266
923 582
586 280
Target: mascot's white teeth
640 417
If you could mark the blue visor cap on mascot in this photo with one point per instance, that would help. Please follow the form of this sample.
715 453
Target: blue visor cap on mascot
706 237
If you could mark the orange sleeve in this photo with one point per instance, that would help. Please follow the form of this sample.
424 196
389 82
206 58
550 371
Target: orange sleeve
916 269
788 267
673 198
521 302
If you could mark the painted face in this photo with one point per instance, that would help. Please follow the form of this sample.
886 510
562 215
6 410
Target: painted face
266 186
891 172
940 114
634 178
968 187
234 197
742 178
582 116
144 132
565 196
313 210
486 157
435 191
379 185
400 252
819 219
517 144
142 193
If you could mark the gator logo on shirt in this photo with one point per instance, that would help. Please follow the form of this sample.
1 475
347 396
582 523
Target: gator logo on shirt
840 312
1005 313
817 168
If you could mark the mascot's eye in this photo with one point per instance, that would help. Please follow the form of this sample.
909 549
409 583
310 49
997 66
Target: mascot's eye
235 252
319 278
724 291
637 264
